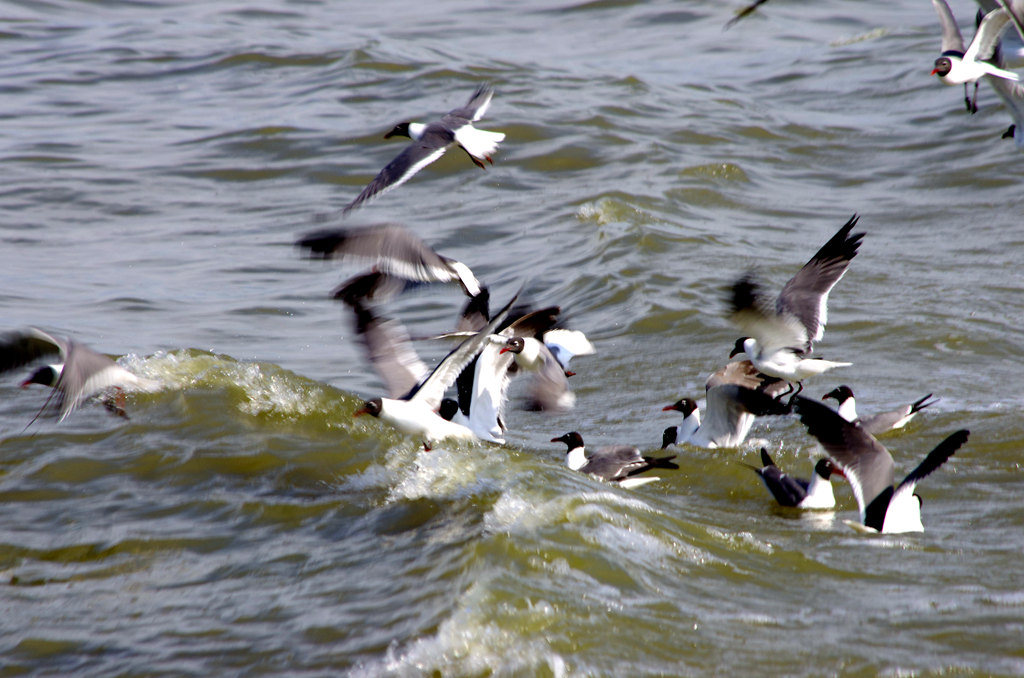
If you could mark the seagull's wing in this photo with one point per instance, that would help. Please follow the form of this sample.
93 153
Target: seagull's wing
432 389
1015 14
952 40
934 460
549 387
390 350
752 314
373 286
415 157
615 462
1012 94
393 249
786 489
477 105
86 372
483 390
566 344
805 296
986 38
25 346
731 410
864 461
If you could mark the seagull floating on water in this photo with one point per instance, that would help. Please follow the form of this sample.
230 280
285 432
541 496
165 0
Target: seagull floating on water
781 338
815 493
81 372
619 463
735 394
431 140
869 468
957 66
882 422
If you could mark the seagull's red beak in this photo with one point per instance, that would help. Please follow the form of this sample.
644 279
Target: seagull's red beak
25 383
504 350
934 71
360 412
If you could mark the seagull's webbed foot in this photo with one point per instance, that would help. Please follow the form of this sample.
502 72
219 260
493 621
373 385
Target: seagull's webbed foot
972 102
115 404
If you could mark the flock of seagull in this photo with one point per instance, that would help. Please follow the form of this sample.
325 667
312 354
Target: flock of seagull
774 357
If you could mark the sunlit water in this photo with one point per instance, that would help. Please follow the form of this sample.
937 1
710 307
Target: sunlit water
159 160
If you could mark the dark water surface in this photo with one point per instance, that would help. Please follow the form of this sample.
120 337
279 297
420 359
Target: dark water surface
160 158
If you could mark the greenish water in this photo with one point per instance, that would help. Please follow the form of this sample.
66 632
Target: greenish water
160 159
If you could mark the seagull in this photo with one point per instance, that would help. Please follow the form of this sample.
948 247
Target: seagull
81 372
389 348
735 394
879 423
416 413
431 140
399 258
619 463
567 344
743 12
955 66
483 384
869 468
781 338
550 388
1012 93
797 492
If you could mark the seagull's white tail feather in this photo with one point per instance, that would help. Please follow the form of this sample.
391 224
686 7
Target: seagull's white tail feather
479 143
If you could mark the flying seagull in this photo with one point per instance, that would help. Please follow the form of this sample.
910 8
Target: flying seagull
431 140
780 339
416 413
957 66
869 468
400 259
81 372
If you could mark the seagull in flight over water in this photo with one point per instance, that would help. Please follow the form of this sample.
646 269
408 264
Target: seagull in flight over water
869 468
956 66
431 140
780 339
81 372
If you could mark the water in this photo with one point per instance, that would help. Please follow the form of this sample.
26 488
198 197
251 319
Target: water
159 160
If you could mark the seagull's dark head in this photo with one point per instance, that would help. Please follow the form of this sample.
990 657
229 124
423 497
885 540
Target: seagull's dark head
738 347
825 468
448 409
571 439
840 394
686 406
371 407
399 130
943 65
47 376
514 345
668 436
